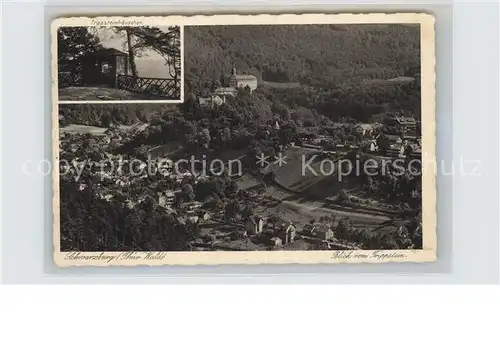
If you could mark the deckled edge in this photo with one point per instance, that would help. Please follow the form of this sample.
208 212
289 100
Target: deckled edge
426 21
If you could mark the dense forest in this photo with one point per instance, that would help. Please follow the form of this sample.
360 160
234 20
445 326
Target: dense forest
89 223
316 55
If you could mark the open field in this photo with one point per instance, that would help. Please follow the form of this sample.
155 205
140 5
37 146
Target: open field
277 85
82 129
87 129
100 93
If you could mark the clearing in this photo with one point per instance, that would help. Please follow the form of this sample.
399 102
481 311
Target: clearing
82 129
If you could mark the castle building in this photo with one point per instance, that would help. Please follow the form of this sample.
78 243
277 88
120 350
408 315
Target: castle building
234 82
242 80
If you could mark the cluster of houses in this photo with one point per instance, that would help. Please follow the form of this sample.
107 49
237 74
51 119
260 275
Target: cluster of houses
285 232
186 212
406 127
398 147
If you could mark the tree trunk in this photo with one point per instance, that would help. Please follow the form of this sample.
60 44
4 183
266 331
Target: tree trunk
131 55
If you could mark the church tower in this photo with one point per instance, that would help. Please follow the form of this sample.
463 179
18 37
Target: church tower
233 82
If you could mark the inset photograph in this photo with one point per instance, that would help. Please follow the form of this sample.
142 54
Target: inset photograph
119 63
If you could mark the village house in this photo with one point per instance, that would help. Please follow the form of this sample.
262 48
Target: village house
323 232
410 139
192 217
122 183
170 198
276 241
106 139
206 216
254 225
191 206
395 151
217 99
407 125
107 197
242 80
394 140
364 129
166 199
289 233
286 232
104 66
398 150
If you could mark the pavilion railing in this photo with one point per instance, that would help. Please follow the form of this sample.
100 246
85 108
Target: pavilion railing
161 87
67 78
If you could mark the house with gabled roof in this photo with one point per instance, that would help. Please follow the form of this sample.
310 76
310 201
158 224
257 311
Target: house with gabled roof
254 225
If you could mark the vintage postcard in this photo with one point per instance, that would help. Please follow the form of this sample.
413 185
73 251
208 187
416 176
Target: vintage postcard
299 139
103 60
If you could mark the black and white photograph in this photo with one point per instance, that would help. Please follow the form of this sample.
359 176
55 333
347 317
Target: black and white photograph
115 63
304 139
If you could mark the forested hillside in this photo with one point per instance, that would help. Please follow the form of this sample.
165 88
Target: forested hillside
317 55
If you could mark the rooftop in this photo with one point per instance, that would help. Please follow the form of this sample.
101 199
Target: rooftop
392 137
107 51
405 120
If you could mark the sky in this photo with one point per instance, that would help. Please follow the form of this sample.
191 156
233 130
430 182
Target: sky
149 63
